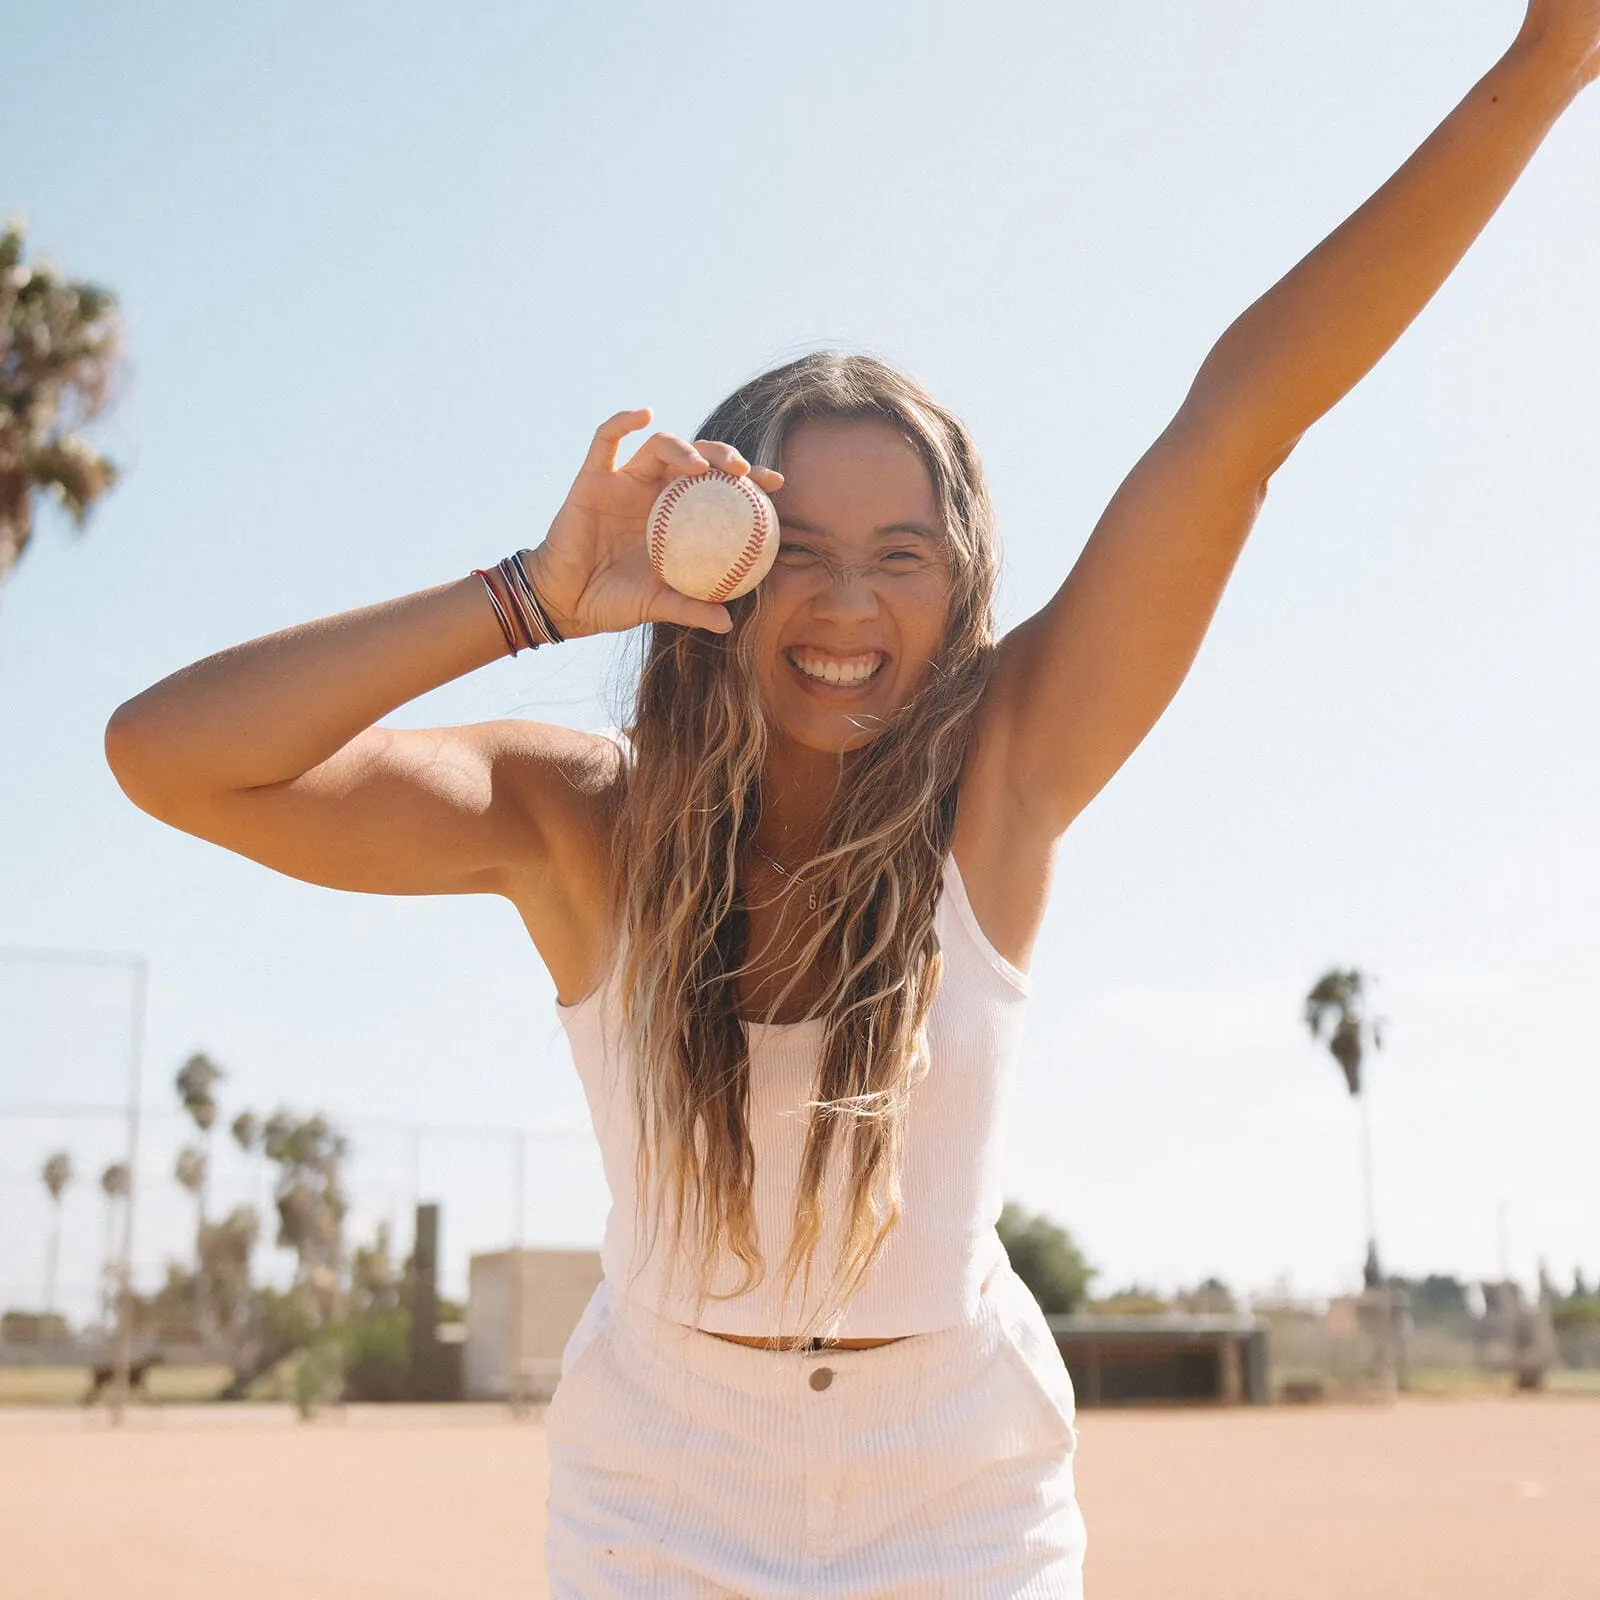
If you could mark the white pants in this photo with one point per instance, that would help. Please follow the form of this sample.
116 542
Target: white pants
935 1467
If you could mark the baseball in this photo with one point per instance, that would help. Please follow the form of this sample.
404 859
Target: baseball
714 537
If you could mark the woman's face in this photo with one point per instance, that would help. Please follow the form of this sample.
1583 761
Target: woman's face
854 608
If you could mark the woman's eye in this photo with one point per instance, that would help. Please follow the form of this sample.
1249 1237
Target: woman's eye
903 556
790 552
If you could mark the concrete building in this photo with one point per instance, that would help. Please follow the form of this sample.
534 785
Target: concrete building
524 1334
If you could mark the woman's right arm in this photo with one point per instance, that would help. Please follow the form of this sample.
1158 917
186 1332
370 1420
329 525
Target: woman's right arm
271 748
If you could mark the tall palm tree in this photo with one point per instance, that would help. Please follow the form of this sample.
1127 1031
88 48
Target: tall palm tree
56 1174
114 1186
196 1081
190 1171
310 1154
1337 1011
59 345
249 1133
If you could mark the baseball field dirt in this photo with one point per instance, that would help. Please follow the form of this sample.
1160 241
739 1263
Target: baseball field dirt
1480 1499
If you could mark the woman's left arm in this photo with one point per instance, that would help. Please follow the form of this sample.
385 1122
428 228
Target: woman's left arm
1079 684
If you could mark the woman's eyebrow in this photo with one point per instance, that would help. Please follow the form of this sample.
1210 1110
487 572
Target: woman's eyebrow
920 529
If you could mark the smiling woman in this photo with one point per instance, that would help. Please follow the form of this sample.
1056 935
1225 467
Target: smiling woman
856 604
789 913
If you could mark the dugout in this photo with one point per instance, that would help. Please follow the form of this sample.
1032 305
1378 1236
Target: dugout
1175 1358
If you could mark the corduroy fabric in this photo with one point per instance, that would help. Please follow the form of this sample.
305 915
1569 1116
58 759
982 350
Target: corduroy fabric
683 1467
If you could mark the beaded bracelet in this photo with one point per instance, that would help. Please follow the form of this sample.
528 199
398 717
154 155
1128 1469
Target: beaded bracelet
524 622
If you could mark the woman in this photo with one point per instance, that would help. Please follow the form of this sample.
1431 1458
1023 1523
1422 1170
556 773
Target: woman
788 916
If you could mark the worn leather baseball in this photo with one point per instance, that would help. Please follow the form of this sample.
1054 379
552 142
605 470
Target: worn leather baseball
712 537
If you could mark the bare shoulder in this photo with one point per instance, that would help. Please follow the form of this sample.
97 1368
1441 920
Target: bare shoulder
560 777
1005 856
569 786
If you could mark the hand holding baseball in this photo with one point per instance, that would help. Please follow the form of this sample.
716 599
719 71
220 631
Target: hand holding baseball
593 571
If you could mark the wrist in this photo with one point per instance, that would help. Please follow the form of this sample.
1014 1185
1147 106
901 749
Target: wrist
1549 62
518 608
547 586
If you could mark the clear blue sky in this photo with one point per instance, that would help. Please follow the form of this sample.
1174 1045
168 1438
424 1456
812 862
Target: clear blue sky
384 268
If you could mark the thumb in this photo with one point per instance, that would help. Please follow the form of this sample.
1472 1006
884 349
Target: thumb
670 606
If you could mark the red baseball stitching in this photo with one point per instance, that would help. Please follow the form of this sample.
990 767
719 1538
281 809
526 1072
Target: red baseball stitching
753 545
658 526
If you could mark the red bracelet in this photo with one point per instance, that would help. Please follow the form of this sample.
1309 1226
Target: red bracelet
524 620
499 609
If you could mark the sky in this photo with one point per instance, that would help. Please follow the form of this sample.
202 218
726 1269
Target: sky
383 270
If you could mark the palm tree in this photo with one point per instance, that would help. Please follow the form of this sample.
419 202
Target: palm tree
190 1171
195 1082
1338 1015
249 1133
59 345
56 1175
310 1155
114 1186
246 1130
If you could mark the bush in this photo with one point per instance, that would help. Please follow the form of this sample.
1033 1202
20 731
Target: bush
377 1357
1577 1313
1045 1258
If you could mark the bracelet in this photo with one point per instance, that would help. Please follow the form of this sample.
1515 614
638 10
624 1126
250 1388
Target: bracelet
523 590
499 610
524 622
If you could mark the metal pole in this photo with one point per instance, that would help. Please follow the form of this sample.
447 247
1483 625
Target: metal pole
516 1384
1386 1317
123 1383
1366 1176
139 965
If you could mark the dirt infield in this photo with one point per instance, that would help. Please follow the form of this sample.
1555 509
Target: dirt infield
1465 1499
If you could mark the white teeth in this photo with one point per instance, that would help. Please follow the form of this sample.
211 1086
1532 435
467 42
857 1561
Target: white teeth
841 672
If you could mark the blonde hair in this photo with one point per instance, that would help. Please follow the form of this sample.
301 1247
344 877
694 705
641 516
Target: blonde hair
691 803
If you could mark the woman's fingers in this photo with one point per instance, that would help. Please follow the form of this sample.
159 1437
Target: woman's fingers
670 606
723 457
665 455
603 447
726 459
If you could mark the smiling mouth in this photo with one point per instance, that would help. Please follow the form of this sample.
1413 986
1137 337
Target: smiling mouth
843 672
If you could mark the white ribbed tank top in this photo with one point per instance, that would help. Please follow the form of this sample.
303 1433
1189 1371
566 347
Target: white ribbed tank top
928 1274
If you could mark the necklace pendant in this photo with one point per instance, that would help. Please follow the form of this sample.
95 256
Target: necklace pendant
811 901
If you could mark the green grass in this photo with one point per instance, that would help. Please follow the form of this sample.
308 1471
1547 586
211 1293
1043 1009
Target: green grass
53 1386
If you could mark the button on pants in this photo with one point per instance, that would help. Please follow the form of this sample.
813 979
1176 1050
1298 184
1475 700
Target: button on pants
937 1466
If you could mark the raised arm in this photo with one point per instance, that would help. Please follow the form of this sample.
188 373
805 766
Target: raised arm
273 749
1082 682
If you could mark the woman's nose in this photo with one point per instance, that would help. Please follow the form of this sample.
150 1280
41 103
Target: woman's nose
846 594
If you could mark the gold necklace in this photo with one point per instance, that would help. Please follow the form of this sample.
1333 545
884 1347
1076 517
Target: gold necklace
784 873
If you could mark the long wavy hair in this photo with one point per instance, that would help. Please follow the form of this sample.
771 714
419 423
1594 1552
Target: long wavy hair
692 799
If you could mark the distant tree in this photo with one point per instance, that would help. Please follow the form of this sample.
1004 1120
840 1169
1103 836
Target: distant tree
226 1248
196 1081
1338 1015
377 1335
310 1155
1132 1300
1210 1295
1440 1297
114 1186
59 347
1043 1255
191 1170
56 1174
